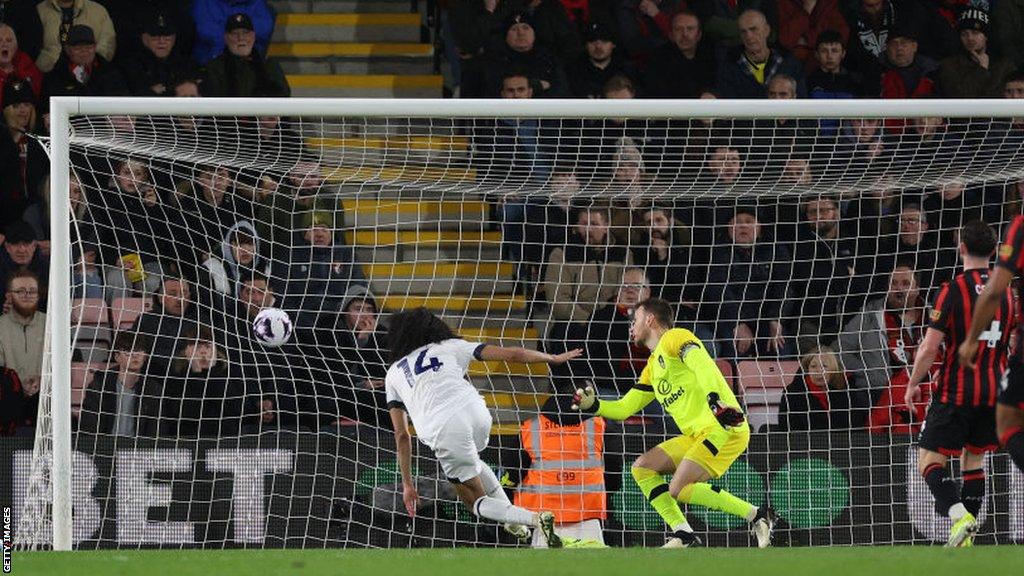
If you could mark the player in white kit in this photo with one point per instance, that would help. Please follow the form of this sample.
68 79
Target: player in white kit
427 381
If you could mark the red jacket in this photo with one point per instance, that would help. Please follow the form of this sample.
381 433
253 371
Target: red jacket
26 69
798 30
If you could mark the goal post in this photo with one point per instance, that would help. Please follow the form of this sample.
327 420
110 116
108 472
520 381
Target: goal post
1001 163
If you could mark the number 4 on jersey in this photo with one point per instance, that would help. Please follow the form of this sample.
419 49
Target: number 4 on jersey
434 365
992 335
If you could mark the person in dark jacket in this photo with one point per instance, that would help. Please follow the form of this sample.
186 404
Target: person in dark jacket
719 18
600 63
112 404
242 70
174 314
820 397
684 67
745 72
152 70
831 80
133 17
24 162
80 71
520 52
645 25
973 72
211 16
907 74
21 251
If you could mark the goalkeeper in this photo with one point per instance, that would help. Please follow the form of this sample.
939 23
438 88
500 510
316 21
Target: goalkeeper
685 380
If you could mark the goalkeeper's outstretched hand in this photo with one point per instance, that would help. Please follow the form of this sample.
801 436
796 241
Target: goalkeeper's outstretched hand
585 399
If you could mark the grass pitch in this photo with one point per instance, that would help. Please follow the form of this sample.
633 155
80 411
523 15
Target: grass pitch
862 561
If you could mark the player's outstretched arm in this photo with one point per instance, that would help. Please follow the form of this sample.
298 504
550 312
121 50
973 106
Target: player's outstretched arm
984 310
403 444
924 357
514 354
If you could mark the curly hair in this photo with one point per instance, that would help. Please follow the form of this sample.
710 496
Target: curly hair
411 329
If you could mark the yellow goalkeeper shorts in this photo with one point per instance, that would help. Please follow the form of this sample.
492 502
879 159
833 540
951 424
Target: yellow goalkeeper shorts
713 456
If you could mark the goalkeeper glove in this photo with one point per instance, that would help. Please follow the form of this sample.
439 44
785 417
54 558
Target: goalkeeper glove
727 416
585 399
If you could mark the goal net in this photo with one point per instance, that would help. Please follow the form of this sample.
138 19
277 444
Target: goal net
803 242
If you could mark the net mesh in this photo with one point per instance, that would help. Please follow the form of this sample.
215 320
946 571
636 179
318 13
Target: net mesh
772 239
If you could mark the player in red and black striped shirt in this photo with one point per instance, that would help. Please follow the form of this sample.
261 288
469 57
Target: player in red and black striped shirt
1010 409
961 417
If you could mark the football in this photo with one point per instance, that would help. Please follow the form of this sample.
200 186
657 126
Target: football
272 327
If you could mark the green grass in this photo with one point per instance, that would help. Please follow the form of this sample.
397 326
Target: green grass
863 561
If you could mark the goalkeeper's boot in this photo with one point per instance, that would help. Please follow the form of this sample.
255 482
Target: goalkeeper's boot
522 533
963 530
762 525
546 523
682 539
581 543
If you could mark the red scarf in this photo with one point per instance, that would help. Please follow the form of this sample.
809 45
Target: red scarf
818 392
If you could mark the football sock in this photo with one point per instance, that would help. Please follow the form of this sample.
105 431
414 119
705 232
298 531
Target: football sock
655 489
503 511
972 491
1013 441
704 494
944 490
492 487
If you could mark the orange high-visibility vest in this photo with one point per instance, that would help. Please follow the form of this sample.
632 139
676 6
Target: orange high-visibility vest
566 474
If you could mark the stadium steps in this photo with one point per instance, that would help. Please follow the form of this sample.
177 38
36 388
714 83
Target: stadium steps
347 27
353 57
440 277
335 6
343 175
414 215
388 238
394 149
365 86
497 305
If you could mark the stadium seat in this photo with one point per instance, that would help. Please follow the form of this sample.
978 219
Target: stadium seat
90 321
725 367
762 384
124 311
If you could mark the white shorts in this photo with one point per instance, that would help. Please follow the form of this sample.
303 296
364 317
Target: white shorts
459 442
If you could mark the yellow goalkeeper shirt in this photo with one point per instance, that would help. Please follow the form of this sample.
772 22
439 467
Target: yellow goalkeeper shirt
680 374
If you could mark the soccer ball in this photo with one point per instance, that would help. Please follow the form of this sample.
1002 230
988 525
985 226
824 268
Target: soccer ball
272 327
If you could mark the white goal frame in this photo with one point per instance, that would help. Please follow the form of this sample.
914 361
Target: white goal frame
62 109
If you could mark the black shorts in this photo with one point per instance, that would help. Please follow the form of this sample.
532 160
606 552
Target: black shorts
1012 393
948 429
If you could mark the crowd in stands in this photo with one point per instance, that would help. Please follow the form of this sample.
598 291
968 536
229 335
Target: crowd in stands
840 283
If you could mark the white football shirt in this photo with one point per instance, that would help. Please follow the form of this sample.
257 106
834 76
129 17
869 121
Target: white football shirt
430 384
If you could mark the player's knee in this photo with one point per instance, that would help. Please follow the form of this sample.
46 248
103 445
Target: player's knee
639 471
926 459
1008 420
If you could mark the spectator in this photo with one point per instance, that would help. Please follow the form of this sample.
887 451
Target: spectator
210 206
661 248
22 16
59 17
212 17
152 70
906 72
745 72
720 18
831 80
917 245
684 67
1008 30
200 397
800 23
132 18
612 360
319 272
17 64
879 341
520 53
645 26
604 141
747 288
973 72
82 71
724 163
870 23
547 224
514 148
860 146
473 25
242 69
21 254
821 396
174 314
825 270
239 257
555 31
112 403
590 73
583 275
774 143
24 162
22 330
11 399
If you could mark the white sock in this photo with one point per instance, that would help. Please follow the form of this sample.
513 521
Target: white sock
957 511
684 527
492 486
752 514
503 511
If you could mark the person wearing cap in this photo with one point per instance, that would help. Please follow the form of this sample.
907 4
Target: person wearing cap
973 72
521 52
476 26
152 70
242 70
748 287
60 16
21 253
212 16
82 71
15 63
133 17
684 67
589 74
744 72
554 29
907 73
24 163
